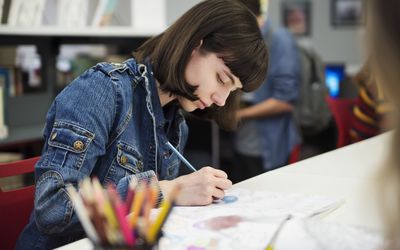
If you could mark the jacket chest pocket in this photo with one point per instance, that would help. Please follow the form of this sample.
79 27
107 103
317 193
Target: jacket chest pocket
170 165
128 161
172 170
68 144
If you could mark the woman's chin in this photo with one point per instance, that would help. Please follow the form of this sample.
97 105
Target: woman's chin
191 109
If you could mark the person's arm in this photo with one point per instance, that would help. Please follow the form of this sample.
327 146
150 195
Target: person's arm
266 108
76 134
199 188
145 177
383 107
387 117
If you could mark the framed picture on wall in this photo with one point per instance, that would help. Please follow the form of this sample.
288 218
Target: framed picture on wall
296 16
346 12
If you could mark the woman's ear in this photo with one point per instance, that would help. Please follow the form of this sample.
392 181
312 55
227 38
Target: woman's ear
197 49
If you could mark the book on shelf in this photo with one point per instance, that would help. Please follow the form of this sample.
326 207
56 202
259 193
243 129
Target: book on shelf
18 81
140 14
92 8
1 9
50 16
3 126
148 14
72 13
9 80
122 14
4 10
28 70
26 13
104 13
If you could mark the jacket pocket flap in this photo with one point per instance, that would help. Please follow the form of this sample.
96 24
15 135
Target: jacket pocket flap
129 158
70 137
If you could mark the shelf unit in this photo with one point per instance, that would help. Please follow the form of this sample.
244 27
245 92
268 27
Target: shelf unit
26 113
53 31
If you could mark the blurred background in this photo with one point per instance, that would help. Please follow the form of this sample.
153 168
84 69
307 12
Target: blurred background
44 44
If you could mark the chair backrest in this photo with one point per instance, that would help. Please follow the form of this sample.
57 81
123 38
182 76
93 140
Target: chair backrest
295 154
15 205
342 112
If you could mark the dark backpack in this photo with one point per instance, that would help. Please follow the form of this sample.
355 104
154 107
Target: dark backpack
311 111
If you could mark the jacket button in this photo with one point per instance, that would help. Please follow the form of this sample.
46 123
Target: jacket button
53 136
78 145
124 159
166 155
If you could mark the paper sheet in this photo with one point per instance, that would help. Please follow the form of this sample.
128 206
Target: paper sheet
314 234
245 220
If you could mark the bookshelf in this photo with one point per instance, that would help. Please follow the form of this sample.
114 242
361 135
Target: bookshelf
134 21
54 31
47 25
26 113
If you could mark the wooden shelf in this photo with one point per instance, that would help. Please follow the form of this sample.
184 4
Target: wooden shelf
26 114
23 134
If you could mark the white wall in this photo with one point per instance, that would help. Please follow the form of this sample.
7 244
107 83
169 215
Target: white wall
175 8
333 44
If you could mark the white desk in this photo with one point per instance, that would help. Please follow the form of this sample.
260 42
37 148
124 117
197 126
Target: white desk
346 173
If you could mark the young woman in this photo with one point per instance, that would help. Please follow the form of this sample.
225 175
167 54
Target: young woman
114 120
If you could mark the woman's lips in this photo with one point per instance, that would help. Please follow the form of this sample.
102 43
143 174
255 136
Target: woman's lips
203 105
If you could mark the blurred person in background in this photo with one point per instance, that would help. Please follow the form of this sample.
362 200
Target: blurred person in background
267 133
370 112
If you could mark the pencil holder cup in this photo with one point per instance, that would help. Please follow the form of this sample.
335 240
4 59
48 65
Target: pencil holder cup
140 245
136 247
107 222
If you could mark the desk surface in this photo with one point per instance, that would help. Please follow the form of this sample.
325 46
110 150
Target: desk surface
347 173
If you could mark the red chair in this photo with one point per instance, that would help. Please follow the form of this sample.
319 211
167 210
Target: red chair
342 110
15 205
295 154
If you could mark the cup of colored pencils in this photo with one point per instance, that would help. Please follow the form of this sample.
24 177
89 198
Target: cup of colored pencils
111 223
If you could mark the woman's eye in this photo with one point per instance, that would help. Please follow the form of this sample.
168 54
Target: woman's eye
220 80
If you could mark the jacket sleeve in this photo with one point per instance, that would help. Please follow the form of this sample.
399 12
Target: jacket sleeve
123 184
76 133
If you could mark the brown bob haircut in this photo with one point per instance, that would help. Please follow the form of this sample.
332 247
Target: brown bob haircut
253 5
226 28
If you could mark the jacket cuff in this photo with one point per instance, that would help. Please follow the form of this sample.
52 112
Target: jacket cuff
123 184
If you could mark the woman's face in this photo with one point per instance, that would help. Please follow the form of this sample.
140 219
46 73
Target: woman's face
214 79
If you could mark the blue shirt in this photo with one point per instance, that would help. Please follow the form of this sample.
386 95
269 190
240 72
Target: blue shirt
275 136
108 123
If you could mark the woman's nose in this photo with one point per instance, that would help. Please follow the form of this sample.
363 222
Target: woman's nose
220 98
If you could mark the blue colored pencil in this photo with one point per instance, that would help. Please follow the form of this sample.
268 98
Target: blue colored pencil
180 156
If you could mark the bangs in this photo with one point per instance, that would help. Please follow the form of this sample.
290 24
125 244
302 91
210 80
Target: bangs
247 60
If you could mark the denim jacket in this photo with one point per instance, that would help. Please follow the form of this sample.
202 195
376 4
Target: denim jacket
108 123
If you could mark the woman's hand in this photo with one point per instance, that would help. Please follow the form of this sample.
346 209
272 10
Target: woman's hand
199 188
